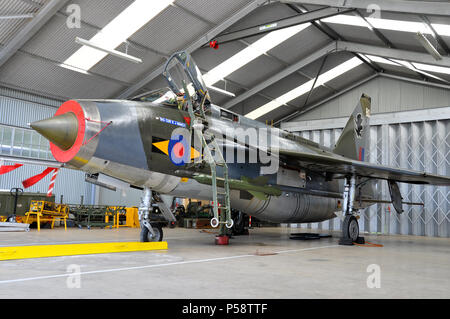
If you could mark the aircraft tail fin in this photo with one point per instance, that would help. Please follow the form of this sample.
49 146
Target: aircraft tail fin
355 138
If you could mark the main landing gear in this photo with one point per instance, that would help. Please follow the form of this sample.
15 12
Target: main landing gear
350 227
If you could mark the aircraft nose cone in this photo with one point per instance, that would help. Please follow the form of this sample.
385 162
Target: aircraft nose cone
61 130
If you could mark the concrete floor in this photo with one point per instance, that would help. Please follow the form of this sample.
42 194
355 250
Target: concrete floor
265 264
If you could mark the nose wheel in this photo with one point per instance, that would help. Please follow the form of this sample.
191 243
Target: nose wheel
147 236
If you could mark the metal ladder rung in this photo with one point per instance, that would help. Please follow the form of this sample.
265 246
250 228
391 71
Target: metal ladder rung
212 160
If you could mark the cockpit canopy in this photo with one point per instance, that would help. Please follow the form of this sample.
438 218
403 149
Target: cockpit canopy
160 96
181 71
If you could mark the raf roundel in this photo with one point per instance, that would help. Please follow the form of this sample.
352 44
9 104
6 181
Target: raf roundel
177 150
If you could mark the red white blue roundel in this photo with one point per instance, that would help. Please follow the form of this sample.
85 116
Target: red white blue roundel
179 152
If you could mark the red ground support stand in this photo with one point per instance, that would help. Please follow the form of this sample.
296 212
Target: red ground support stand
222 240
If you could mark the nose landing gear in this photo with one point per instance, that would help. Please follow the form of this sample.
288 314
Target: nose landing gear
156 235
149 231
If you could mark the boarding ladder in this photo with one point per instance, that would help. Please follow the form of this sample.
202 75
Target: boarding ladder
198 121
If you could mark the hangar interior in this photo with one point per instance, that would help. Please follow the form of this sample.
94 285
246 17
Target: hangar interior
297 65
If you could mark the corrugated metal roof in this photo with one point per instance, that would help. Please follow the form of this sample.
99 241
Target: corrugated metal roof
99 12
114 67
55 41
171 30
9 27
36 68
214 11
27 72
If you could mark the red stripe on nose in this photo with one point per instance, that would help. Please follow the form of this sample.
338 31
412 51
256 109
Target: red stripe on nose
65 156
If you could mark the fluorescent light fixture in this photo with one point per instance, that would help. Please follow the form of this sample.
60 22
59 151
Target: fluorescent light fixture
304 88
389 24
428 46
134 17
213 88
112 52
72 68
17 16
251 52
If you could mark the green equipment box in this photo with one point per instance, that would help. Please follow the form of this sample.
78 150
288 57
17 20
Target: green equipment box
23 202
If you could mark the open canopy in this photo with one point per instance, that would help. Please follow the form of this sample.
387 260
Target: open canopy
181 68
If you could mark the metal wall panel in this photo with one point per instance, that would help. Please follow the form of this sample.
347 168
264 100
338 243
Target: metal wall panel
20 95
418 146
18 112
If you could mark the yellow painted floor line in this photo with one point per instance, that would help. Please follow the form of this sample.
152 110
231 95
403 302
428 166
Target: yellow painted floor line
24 252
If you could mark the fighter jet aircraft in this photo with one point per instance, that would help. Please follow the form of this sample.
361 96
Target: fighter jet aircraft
176 141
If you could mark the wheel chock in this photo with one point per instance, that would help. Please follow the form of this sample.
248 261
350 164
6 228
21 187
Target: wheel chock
222 240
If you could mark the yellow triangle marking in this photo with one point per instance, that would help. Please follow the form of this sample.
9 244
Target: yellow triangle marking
194 153
163 146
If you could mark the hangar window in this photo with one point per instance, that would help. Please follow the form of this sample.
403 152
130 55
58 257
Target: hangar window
15 141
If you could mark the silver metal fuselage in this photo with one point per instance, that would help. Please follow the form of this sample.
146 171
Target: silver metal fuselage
306 196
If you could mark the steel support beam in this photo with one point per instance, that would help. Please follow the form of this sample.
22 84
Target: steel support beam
415 81
195 45
277 77
310 107
280 24
30 29
391 53
402 6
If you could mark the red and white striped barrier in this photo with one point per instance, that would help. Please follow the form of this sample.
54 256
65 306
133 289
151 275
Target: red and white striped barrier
52 182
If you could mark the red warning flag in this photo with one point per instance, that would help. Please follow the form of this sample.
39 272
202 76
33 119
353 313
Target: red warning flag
33 180
8 168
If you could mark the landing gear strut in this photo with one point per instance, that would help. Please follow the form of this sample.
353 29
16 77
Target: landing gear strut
350 227
149 232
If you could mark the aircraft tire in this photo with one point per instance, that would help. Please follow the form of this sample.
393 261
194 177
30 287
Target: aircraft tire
146 236
350 228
